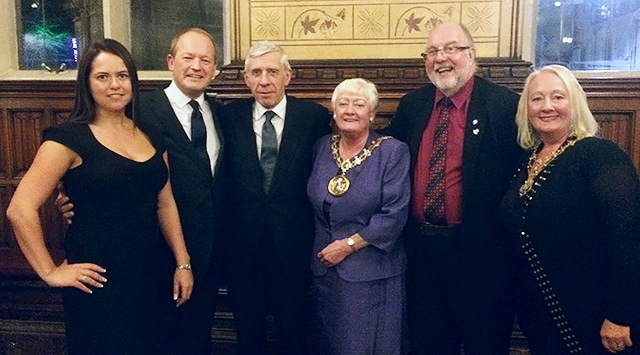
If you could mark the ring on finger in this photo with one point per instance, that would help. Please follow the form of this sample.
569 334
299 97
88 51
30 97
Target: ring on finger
83 278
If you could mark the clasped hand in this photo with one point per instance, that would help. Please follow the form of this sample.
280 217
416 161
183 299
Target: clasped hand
334 253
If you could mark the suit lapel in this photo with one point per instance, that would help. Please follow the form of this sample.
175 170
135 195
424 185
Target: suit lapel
421 120
246 140
293 131
173 128
476 128
168 120
217 126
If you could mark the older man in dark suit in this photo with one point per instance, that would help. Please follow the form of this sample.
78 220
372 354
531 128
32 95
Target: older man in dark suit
462 137
269 143
192 135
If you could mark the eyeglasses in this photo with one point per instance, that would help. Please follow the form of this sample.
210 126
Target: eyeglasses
446 50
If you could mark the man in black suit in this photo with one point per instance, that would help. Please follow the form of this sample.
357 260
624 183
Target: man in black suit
457 289
271 221
198 181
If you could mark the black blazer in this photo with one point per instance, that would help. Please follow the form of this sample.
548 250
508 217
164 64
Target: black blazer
199 196
285 211
490 156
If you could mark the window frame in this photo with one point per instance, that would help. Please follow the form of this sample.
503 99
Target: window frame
117 25
529 14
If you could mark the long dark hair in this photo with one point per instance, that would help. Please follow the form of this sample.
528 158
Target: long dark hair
84 106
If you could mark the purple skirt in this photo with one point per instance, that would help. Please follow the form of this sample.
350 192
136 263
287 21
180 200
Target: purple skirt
359 317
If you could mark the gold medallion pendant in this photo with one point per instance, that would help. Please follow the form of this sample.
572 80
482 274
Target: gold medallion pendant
339 185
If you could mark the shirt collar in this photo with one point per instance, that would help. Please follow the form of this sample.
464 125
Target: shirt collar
459 98
280 109
179 98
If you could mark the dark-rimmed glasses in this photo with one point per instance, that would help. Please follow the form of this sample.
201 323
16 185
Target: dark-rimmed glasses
446 50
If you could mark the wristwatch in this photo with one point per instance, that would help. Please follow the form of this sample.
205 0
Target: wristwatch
352 244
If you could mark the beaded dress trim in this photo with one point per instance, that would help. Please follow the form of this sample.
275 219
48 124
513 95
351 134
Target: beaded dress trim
544 284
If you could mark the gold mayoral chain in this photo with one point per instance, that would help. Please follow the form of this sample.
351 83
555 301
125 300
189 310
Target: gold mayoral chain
535 165
339 184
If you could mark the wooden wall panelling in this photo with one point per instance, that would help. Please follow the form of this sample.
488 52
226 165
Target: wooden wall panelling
31 313
393 78
25 127
617 109
5 145
618 127
27 108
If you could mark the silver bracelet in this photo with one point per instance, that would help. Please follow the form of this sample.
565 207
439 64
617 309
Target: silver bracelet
186 266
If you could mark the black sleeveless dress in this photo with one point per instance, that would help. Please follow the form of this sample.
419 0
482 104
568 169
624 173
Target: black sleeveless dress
115 226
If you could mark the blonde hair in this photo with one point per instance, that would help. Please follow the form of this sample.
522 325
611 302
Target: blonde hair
583 124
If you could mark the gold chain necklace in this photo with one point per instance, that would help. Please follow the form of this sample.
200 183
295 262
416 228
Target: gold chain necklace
535 166
339 184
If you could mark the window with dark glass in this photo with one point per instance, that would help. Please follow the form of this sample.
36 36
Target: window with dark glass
588 34
51 33
155 22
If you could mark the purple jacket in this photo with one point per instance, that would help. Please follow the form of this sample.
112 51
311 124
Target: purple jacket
376 206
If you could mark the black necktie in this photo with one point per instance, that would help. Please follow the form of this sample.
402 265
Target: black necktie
199 132
434 193
269 151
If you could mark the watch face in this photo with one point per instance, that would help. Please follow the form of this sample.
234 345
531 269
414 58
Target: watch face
351 241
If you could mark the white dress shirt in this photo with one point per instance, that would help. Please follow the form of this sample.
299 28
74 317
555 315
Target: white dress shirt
278 121
180 104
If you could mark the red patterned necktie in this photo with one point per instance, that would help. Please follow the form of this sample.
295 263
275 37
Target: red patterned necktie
434 192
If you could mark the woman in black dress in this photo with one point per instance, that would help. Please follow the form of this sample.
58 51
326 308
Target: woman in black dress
574 212
118 179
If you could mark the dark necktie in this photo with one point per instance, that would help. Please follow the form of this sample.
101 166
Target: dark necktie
434 193
269 151
199 133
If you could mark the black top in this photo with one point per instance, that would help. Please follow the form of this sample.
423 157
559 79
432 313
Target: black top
115 225
583 219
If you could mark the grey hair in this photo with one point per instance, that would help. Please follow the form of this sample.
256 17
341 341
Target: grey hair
264 47
356 85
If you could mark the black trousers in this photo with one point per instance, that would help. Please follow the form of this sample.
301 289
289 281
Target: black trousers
269 287
190 327
442 312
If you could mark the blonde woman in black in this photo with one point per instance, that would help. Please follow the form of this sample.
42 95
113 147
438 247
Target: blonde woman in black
573 210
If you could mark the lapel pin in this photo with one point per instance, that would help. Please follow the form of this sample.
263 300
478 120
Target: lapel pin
475 122
476 131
